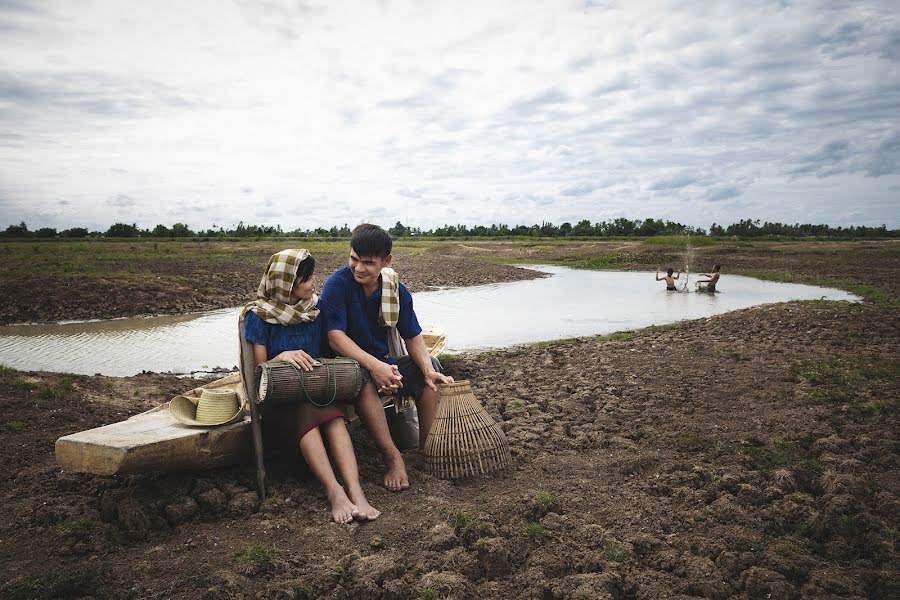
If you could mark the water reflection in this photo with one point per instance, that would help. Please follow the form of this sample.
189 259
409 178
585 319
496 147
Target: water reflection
568 304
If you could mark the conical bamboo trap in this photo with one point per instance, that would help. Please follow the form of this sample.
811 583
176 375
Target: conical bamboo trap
464 439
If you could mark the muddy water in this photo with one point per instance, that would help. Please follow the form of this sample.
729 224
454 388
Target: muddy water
568 304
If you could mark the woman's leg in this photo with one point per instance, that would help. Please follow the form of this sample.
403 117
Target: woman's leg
313 449
345 458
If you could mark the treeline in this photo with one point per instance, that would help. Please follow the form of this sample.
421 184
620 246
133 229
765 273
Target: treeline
621 227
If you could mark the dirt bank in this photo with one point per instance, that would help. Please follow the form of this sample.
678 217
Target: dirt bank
751 455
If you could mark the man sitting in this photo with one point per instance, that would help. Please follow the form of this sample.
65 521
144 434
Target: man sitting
361 305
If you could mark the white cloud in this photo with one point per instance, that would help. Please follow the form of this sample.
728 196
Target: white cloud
433 113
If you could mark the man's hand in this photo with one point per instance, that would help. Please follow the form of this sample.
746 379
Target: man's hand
433 378
387 378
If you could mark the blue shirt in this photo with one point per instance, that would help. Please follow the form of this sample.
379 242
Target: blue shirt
346 308
278 338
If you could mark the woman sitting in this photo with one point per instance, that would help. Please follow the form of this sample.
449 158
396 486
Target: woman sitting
281 324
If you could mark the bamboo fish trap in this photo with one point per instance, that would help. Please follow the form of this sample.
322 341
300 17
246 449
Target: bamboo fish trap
464 439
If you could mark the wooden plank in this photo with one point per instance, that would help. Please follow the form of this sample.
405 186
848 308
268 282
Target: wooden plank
153 441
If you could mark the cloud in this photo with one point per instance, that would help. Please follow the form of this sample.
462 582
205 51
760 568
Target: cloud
886 159
673 183
121 201
725 192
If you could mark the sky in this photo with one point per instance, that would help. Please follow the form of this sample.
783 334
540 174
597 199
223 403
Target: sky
313 114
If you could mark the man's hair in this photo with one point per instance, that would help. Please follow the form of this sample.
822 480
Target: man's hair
669 271
371 240
715 267
305 269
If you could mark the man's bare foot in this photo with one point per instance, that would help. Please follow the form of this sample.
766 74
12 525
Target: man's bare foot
364 510
396 478
342 510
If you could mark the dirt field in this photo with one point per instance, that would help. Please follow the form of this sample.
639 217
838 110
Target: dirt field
748 455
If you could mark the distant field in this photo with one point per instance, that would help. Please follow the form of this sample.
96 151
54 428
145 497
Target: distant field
46 281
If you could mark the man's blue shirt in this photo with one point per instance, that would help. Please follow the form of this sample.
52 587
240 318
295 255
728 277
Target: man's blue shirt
345 307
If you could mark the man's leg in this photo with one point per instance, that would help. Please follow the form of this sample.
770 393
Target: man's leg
371 412
426 405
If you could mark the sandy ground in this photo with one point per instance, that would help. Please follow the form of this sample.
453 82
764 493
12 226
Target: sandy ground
748 455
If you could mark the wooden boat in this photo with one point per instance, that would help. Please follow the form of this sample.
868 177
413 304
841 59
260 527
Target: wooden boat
154 441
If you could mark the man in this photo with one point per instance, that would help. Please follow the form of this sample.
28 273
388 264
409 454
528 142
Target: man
355 300
709 285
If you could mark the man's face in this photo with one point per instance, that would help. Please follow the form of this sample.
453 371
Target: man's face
366 269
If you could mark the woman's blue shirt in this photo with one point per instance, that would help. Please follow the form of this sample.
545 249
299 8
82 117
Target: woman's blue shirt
278 338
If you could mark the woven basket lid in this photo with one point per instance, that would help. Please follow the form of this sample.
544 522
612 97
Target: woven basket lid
213 407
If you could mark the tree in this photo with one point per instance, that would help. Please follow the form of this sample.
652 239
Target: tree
20 230
45 232
160 231
398 230
122 230
74 232
181 230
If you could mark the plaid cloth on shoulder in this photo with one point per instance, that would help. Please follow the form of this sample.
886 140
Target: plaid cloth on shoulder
390 298
274 292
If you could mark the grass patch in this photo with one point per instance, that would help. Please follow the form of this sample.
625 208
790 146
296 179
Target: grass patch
57 391
679 240
428 594
780 454
543 503
615 551
258 557
24 588
866 386
15 426
75 526
469 527
535 532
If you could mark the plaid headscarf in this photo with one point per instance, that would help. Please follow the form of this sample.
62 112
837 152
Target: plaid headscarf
274 292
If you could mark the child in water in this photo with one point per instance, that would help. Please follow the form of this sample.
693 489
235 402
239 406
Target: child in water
709 285
669 279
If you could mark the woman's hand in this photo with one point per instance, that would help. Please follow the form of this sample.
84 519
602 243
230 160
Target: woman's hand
299 359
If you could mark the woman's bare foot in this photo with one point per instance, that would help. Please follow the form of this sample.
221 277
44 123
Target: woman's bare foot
396 478
365 511
342 510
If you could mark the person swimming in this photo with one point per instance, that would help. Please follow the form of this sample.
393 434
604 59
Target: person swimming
669 279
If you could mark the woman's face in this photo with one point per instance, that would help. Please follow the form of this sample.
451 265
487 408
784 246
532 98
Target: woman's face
303 290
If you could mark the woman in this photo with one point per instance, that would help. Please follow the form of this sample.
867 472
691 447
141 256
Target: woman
669 279
281 324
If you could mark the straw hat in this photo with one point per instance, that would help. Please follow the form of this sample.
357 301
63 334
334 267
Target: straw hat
213 407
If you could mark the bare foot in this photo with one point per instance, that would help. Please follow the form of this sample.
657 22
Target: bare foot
364 510
342 510
396 478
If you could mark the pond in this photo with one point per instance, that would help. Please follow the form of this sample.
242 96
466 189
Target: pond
568 303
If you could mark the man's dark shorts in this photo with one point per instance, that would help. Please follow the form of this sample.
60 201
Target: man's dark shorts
413 379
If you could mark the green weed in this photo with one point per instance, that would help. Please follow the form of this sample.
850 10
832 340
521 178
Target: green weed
469 527
535 532
679 240
615 552
75 526
24 588
259 557
543 503
57 391
428 594
15 426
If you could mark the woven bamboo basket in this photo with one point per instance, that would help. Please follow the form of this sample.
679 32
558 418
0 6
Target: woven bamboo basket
333 380
464 439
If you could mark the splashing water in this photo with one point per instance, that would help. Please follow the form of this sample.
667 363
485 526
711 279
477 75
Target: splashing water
688 261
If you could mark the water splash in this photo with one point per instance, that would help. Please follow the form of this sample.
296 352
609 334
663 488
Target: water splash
688 261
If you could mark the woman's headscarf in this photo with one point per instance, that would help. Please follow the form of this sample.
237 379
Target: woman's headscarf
273 296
